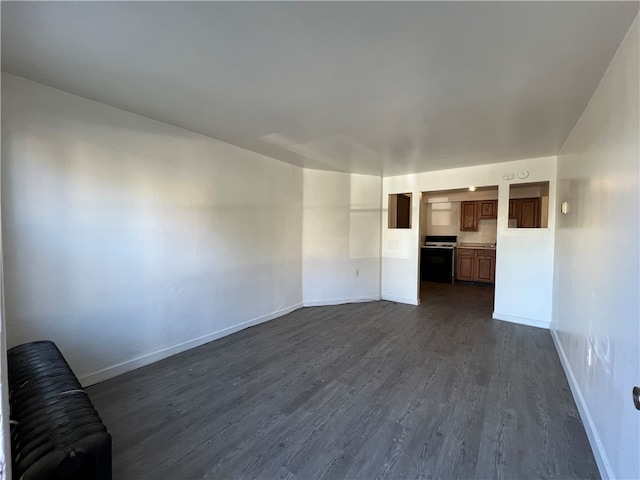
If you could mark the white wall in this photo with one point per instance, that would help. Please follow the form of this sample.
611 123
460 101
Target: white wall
524 264
126 239
5 438
341 238
596 319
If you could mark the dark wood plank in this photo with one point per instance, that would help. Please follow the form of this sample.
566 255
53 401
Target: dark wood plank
371 390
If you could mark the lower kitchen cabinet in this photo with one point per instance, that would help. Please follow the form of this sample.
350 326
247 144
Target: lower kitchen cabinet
466 258
485 266
476 265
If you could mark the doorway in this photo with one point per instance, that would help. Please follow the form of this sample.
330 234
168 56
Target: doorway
467 218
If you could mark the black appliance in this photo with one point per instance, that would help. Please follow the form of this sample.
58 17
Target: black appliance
438 258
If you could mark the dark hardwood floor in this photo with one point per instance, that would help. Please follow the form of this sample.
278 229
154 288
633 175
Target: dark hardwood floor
362 391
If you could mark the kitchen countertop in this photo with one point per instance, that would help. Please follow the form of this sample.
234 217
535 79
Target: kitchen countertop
479 246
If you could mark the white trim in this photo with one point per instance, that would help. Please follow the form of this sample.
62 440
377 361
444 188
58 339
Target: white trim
592 433
339 301
393 298
127 366
532 322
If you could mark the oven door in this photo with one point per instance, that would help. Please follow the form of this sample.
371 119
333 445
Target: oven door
436 264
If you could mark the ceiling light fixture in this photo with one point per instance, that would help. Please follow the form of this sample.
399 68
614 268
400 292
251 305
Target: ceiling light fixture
472 189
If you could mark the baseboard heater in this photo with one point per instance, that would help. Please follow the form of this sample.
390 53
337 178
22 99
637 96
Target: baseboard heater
56 432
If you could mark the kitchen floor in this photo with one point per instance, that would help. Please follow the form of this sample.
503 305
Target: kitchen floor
362 391
481 294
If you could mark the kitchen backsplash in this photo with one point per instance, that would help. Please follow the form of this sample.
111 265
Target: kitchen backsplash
444 219
487 233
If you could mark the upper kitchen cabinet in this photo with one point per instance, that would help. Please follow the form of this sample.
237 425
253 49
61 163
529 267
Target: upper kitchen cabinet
487 209
471 212
469 216
528 213
529 205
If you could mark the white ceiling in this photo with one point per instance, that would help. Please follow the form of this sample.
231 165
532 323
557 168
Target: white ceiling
367 87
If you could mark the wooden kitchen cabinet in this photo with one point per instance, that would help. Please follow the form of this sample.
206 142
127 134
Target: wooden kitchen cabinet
485 264
469 216
487 209
476 265
471 212
526 212
466 258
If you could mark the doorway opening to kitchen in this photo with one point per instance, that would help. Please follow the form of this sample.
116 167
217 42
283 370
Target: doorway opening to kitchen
458 240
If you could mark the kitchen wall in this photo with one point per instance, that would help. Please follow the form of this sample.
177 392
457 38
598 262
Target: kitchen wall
596 311
440 215
487 233
524 264
441 218
341 238
444 219
127 240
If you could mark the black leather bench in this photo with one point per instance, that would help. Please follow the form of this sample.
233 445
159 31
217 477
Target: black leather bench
56 432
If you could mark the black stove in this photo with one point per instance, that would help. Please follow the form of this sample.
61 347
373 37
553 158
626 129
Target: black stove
438 258
440 241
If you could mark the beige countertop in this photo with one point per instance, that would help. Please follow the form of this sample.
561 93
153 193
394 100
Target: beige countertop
481 246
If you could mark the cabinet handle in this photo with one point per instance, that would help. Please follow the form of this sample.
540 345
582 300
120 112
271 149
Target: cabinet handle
636 397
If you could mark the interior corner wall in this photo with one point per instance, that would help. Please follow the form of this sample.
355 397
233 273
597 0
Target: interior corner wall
341 238
127 240
596 311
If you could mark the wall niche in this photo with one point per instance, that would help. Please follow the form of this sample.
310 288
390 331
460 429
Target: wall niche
400 210
529 205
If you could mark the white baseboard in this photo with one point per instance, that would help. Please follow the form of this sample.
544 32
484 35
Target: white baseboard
339 301
393 298
143 360
592 433
521 320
